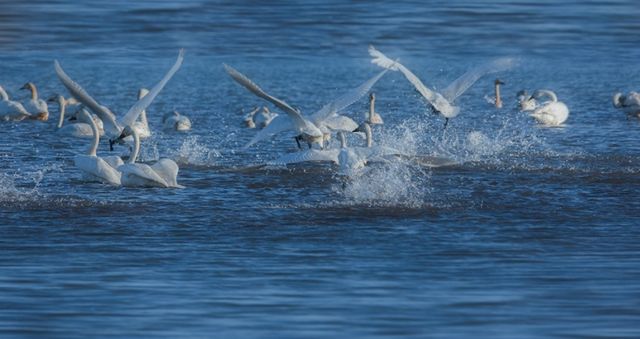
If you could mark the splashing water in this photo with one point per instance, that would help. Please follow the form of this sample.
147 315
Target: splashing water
191 152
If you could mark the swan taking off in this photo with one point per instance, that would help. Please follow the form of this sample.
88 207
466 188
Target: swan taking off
94 167
175 121
443 103
115 125
313 129
630 103
163 173
551 112
36 106
11 110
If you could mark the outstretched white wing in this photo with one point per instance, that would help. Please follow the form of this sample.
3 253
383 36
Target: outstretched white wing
279 124
145 101
107 117
255 89
434 98
463 83
346 99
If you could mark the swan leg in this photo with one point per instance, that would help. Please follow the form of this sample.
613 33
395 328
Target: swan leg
446 122
297 139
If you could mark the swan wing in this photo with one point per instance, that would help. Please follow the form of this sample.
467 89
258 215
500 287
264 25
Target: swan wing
460 85
279 124
96 167
113 161
434 98
340 123
168 170
347 99
304 156
107 117
142 104
255 89
142 171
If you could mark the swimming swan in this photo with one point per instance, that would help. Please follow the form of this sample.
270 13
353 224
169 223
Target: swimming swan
443 103
264 117
313 129
94 167
163 173
526 102
630 103
115 125
36 106
551 112
175 121
11 110
497 99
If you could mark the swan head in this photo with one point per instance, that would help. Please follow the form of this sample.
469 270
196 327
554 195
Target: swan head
56 98
499 82
618 98
29 85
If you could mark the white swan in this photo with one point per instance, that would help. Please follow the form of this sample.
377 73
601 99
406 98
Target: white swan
114 126
36 106
630 103
263 118
163 173
94 167
314 129
175 121
526 102
79 129
551 112
11 110
497 99
372 117
442 103
142 125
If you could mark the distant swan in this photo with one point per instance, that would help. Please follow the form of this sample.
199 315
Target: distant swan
114 126
497 99
314 129
248 118
94 167
11 110
630 103
175 121
551 112
263 118
442 103
372 117
36 106
163 173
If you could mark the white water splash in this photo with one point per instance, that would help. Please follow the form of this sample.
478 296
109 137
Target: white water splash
192 152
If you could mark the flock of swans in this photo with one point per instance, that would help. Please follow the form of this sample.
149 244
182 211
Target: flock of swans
93 120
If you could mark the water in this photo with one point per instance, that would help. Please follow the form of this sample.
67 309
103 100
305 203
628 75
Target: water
533 234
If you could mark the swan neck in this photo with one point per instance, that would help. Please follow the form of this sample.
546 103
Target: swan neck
34 91
63 107
550 94
343 139
372 109
367 132
136 147
96 135
498 98
3 94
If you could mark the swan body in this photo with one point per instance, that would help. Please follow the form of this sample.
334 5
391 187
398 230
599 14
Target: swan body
94 167
175 121
551 112
314 129
442 103
163 173
36 106
11 110
115 125
630 103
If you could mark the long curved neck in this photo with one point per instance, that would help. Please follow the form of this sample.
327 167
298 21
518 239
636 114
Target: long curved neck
367 132
372 107
3 94
343 139
63 107
498 98
34 91
96 135
136 147
550 94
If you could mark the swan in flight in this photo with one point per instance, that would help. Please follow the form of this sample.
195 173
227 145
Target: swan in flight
163 173
35 105
175 121
630 103
11 110
94 167
115 125
80 129
443 103
551 112
314 129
